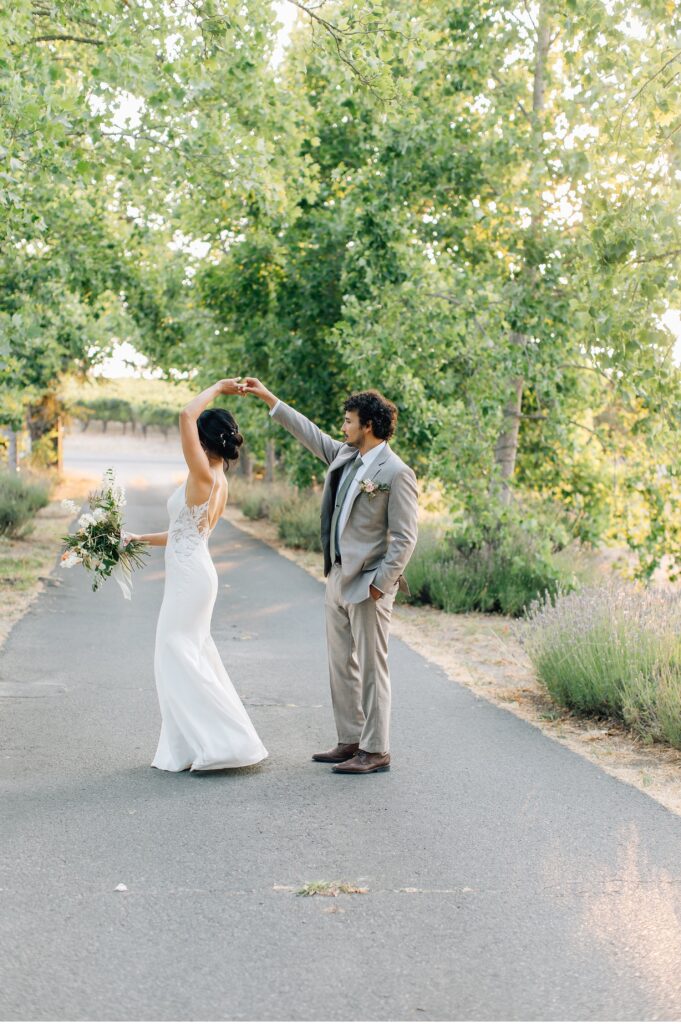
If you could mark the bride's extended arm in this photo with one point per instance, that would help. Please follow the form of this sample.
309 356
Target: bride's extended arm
156 540
195 457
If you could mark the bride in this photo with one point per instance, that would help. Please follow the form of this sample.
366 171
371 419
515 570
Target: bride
204 724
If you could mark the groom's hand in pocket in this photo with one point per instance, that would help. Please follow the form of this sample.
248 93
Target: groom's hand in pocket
375 592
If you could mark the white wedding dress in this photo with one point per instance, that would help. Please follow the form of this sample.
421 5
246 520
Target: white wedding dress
204 724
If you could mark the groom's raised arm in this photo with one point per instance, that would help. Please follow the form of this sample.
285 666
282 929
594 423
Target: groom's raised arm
303 429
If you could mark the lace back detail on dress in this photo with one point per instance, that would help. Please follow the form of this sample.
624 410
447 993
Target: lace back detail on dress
190 528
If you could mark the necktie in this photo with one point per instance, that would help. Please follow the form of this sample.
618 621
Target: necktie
340 498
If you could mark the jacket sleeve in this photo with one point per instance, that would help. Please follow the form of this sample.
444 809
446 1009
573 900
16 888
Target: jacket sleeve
307 432
402 526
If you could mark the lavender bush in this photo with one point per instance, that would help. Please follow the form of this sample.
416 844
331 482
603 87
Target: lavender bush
613 649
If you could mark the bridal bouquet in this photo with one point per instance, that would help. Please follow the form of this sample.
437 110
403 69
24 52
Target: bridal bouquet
98 544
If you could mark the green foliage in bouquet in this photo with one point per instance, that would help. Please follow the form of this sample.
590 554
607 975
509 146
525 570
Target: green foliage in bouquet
97 544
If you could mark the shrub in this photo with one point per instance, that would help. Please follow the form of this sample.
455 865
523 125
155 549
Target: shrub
261 501
298 522
255 505
615 650
428 554
496 569
20 498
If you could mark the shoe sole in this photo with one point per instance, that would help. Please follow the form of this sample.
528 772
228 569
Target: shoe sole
369 771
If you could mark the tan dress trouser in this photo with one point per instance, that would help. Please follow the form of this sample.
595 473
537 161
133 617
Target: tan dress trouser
357 641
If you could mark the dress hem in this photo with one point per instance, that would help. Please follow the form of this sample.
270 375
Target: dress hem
219 766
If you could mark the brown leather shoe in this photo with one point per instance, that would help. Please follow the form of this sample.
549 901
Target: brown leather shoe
342 752
363 763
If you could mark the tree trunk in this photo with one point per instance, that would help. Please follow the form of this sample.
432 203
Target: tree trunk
506 447
43 422
245 464
13 451
270 461
60 445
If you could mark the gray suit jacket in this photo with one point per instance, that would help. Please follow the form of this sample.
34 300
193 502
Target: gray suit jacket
380 532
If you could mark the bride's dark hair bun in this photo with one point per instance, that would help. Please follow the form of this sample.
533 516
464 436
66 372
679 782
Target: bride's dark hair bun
219 434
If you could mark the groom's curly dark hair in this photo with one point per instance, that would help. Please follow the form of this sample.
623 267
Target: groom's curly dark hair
373 407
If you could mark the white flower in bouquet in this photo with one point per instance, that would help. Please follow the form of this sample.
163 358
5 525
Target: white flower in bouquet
70 558
98 543
70 506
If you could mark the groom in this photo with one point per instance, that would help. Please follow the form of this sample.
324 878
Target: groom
369 520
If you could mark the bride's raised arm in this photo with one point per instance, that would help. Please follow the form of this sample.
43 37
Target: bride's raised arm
192 449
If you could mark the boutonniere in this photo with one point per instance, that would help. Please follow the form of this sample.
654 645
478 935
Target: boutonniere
371 488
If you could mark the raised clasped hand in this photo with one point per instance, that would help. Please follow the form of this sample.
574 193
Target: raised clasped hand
230 386
252 386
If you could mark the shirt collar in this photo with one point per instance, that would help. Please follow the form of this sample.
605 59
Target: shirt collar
369 457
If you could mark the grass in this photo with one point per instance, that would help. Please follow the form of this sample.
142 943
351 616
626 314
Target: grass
612 650
331 889
25 560
21 496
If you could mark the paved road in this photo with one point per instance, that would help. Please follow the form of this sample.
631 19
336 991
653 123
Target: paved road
137 460
507 877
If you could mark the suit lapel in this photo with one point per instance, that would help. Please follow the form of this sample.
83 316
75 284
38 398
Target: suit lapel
344 456
371 473
335 470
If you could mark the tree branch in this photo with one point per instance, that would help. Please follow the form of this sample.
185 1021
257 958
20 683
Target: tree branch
338 35
529 15
500 82
335 32
638 92
656 256
67 38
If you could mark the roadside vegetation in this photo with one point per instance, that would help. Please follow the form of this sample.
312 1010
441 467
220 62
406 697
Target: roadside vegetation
503 571
30 542
612 650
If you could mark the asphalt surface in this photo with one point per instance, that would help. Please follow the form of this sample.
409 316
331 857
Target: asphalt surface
507 878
